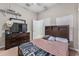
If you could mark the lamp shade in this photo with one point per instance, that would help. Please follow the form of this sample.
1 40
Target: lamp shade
9 23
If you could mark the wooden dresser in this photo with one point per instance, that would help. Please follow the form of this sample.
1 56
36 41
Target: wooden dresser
15 39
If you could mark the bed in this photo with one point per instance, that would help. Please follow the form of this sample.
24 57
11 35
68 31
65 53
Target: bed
44 47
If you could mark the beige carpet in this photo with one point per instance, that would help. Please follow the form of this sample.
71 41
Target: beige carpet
9 52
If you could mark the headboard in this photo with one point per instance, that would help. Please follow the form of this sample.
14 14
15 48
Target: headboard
58 31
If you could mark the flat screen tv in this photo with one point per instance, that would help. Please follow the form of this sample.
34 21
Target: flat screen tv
18 27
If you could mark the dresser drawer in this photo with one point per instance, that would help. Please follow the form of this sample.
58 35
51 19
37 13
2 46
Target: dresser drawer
16 39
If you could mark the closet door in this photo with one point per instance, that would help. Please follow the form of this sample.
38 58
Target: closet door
38 29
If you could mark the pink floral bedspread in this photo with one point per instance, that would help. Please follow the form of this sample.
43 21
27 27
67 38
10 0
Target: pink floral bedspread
53 47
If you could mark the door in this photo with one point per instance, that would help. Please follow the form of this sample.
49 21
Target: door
38 29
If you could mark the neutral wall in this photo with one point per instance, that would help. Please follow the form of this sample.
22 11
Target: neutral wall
78 25
75 17
61 10
26 15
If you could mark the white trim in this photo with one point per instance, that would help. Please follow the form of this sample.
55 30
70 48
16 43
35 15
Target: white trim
74 49
2 46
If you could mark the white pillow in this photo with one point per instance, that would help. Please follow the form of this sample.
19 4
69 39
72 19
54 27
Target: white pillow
51 38
62 39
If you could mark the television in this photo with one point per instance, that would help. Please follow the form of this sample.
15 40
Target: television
18 27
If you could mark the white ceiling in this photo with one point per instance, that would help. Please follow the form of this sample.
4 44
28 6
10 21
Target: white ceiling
37 7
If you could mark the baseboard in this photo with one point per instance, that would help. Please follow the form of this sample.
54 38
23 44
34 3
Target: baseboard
74 49
2 46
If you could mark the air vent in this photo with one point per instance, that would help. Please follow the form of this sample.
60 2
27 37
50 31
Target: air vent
39 4
45 7
27 4
37 7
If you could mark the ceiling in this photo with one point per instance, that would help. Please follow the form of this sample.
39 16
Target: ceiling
37 7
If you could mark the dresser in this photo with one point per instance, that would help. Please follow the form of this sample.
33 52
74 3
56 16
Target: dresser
15 39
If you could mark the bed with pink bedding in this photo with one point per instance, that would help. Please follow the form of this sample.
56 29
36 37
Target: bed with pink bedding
53 47
56 45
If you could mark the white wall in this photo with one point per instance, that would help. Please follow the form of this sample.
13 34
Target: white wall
78 25
61 11
75 25
26 15
49 21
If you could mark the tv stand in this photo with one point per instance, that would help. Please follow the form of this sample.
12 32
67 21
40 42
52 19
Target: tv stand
15 39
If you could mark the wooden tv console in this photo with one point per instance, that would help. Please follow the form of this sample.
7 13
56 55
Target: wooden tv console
15 39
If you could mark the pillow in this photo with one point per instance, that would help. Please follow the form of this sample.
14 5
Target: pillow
46 37
61 39
51 38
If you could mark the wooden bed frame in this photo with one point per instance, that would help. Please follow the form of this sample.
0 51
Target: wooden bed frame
58 31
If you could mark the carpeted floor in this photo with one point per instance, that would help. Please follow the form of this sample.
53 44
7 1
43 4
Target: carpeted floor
14 52
9 52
